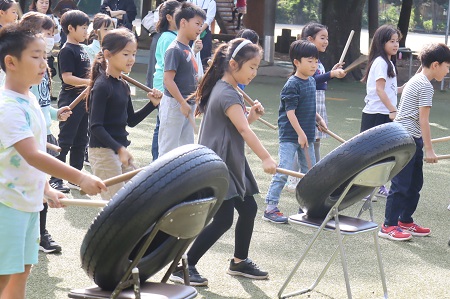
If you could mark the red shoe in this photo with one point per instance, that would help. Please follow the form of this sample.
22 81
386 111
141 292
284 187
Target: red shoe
394 233
414 229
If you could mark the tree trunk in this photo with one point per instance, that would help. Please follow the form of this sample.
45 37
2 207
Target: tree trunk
403 21
342 16
417 14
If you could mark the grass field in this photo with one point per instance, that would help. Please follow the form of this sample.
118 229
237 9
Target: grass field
417 269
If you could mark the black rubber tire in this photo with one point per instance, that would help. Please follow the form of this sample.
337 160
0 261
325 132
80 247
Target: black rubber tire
322 186
187 173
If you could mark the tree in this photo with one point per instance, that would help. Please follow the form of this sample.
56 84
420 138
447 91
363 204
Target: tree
403 21
342 16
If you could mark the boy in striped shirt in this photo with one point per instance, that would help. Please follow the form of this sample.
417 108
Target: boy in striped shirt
413 114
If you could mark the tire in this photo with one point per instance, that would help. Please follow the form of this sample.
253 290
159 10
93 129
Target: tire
187 173
322 186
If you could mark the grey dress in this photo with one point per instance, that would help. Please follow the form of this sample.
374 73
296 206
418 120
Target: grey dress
218 133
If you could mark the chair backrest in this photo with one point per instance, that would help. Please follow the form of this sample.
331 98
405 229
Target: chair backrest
187 219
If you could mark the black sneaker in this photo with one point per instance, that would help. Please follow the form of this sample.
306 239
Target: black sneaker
195 279
48 245
246 268
73 186
60 186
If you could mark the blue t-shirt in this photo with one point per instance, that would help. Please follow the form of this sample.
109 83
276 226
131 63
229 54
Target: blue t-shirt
299 95
164 42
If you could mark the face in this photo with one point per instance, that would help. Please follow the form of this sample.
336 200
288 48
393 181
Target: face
306 66
124 60
391 46
193 27
79 33
247 72
42 6
10 15
32 64
441 70
101 32
321 40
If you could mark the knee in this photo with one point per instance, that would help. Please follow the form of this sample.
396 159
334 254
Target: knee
251 208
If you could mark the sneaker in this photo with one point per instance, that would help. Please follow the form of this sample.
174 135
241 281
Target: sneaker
73 186
195 279
275 216
382 192
86 162
48 245
60 186
414 229
394 233
246 268
448 208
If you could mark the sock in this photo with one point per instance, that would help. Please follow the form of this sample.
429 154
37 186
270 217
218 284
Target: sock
271 208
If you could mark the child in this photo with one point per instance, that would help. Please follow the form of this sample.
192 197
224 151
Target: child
296 122
23 160
111 110
252 36
225 129
381 78
413 114
101 24
240 8
73 65
40 23
8 15
180 80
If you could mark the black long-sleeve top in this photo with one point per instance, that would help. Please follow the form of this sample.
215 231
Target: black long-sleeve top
110 111
126 5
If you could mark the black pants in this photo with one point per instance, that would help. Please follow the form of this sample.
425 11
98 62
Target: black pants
221 223
368 121
205 53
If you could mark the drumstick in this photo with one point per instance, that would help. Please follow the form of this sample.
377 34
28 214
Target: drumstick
264 121
53 147
442 139
148 89
290 172
356 63
335 136
442 157
79 98
122 177
349 40
83 202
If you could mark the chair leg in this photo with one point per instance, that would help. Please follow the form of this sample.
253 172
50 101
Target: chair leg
343 257
380 263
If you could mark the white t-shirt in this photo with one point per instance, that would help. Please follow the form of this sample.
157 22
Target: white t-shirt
378 70
21 185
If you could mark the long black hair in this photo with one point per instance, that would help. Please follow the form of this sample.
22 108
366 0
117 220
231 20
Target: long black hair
100 20
220 64
167 8
311 29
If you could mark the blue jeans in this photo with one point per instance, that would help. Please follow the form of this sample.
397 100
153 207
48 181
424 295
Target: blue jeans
155 151
405 189
286 153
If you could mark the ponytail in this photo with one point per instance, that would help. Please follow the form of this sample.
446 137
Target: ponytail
98 67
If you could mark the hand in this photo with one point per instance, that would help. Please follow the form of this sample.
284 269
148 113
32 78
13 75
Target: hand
338 66
52 196
198 45
392 115
155 96
430 156
269 165
63 113
322 125
91 184
303 140
125 156
185 109
119 17
338 73
108 9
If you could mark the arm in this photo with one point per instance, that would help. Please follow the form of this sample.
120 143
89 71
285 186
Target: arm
68 78
380 85
169 83
28 149
237 117
424 121
61 114
210 14
135 117
302 139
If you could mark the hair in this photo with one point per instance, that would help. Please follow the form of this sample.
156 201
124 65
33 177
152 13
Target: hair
434 52
220 65
100 20
33 6
73 18
187 11
6 4
249 34
13 41
167 8
311 29
302 48
114 41
382 35
36 22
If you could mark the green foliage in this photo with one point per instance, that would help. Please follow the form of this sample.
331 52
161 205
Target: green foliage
428 25
297 11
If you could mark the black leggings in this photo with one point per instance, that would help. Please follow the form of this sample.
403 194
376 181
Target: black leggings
221 223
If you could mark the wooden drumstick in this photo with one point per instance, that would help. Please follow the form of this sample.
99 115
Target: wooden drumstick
290 172
53 147
122 177
356 63
335 136
442 139
349 40
442 157
264 121
83 202
79 98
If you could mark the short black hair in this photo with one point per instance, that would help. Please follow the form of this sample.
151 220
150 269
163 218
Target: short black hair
13 41
73 18
187 11
249 34
434 52
303 48
6 4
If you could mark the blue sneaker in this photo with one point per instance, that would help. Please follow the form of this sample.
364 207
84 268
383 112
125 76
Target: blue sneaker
275 216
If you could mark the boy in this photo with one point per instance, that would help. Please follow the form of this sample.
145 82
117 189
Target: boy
23 161
296 122
180 80
73 66
413 114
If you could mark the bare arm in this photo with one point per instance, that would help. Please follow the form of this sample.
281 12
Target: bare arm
68 78
424 121
380 85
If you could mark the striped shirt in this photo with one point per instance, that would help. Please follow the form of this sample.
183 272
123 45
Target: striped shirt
418 92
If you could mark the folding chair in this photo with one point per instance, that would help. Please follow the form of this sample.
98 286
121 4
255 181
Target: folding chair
184 221
373 176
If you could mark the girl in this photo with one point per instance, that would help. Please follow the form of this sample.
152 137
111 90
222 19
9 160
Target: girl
101 24
110 108
380 76
252 36
40 23
8 12
225 129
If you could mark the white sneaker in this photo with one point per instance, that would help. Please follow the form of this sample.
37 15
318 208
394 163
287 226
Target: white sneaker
448 208
73 186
